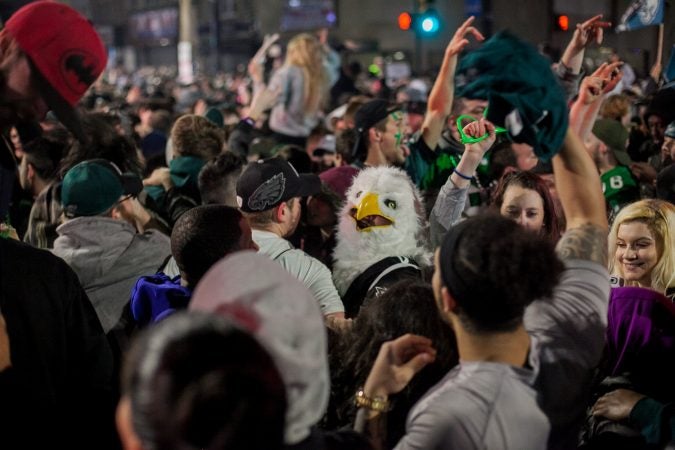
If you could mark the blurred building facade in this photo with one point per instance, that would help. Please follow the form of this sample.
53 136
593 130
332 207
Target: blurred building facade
225 33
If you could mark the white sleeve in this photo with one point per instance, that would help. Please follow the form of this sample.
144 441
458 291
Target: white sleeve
316 277
447 211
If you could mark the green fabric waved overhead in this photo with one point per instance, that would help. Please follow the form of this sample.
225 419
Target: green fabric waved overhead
523 94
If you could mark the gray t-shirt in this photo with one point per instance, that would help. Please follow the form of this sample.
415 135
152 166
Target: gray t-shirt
488 405
312 272
478 405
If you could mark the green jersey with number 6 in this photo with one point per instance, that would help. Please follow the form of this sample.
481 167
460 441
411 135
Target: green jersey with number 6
619 187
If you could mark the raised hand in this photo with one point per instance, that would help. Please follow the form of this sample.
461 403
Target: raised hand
255 66
602 81
591 89
589 31
611 74
268 41
477 129
459 40
585 33
397 363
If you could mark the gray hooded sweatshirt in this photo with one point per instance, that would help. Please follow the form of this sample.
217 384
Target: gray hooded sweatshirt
108 256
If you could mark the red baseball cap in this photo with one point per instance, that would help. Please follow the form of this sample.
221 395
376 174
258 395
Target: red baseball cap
66 51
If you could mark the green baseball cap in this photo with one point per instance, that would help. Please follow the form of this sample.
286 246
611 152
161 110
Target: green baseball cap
92 187
615 136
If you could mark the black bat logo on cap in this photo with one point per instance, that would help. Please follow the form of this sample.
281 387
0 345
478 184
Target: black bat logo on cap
84 73
268 193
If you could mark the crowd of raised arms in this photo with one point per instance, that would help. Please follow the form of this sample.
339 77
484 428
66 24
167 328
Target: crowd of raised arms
303 256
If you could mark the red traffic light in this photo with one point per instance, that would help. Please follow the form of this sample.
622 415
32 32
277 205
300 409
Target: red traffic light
404 21
563 22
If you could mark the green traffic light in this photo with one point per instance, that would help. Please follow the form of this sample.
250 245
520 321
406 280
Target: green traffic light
427 23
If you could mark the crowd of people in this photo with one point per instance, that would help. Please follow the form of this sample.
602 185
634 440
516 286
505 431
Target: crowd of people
302 256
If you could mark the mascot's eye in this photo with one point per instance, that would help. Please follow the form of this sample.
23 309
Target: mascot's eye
391 204
358 194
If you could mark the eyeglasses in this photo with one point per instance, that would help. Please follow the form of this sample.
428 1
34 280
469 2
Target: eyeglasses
466 139
123 199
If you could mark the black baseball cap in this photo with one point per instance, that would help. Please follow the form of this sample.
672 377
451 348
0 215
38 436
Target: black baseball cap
372 112
367 116
268 182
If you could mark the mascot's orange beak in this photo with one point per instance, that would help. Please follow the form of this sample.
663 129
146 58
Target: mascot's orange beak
368 215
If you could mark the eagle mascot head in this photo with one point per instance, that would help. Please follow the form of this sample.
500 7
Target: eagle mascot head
383 216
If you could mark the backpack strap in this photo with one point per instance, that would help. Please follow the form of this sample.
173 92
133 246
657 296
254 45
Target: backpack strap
371 277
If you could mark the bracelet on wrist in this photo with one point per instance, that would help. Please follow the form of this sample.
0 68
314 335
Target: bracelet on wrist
379 404
249 121
461 175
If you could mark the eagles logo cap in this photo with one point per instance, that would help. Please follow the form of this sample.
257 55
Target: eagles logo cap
268 182
65 52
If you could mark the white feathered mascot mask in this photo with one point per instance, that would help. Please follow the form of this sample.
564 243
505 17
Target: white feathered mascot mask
383 216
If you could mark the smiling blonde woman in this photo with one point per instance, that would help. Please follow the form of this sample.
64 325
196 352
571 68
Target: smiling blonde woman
642 245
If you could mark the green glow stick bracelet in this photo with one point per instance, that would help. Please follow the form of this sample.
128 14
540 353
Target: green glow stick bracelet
465 139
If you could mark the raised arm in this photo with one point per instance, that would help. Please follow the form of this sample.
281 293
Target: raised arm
585 34
331 58
580 193
568 69
451 199
594 89
256 65
441 96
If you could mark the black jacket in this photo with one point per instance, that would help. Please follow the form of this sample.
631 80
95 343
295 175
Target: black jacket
59 392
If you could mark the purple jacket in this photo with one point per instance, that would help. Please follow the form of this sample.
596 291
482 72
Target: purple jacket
641 337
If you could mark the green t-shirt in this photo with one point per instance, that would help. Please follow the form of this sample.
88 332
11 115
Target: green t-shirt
430 169
619 187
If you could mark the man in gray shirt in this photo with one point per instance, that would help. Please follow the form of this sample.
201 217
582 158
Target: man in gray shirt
513 356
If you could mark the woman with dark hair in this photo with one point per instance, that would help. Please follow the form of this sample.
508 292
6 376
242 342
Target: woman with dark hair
525 198
104 141
195 381
522 196
404 308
